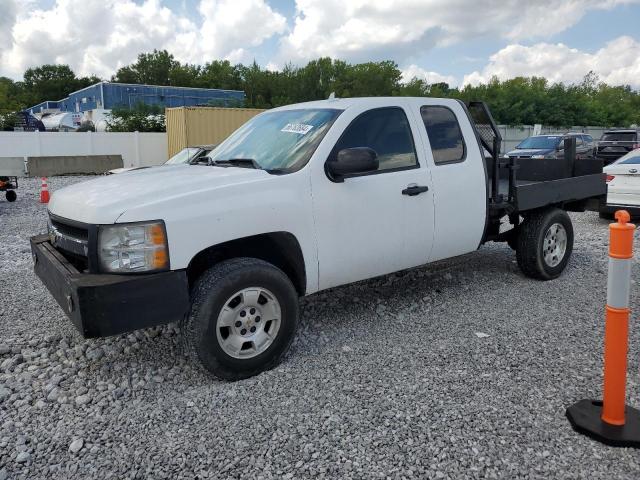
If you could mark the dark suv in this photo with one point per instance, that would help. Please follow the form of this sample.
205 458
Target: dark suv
616 143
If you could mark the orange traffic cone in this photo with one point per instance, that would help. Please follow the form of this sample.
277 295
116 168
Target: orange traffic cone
44 191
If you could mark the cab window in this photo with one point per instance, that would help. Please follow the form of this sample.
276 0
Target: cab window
445 136
385 130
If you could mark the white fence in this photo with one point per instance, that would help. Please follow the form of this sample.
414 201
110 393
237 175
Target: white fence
137 149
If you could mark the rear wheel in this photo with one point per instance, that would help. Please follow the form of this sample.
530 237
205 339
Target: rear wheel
11 195
243 318
606 216
545 243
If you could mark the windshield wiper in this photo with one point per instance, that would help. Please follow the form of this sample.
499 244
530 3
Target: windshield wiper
245 163
236 162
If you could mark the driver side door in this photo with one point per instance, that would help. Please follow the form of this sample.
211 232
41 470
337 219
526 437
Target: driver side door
362 223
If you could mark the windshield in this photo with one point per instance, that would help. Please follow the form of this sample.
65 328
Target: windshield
618 137
633 157
183 156
282 141
540 142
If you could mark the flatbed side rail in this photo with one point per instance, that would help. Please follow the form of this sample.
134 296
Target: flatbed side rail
530 196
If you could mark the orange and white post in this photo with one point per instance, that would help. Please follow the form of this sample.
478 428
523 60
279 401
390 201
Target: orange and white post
617 319
610 420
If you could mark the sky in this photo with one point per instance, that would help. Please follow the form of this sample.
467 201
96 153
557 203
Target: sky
456 41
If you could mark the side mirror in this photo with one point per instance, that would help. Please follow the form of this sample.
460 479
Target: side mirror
352 161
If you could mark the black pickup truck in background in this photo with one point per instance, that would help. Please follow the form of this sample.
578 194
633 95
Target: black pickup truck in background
616 143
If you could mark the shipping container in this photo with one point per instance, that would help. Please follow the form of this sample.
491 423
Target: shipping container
190 126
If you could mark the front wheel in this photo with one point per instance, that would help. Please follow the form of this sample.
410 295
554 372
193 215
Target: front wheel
11 196
243 318
545 243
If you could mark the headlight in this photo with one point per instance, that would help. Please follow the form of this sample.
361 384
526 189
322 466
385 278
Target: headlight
133 247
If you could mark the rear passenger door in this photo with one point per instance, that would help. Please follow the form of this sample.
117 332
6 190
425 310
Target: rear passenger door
458 176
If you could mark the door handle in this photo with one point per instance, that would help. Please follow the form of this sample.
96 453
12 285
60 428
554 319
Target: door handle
414 189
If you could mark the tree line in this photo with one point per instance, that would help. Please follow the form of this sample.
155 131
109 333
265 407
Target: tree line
517 101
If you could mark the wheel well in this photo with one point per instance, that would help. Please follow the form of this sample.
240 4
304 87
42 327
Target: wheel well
278 248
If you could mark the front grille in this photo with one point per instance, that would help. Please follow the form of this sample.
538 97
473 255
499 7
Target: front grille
70 230
71 240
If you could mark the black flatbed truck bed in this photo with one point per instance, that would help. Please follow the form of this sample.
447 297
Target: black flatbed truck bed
520 185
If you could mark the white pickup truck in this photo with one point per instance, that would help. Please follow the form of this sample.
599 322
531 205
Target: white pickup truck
300 199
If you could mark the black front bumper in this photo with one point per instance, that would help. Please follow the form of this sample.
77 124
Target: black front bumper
100 305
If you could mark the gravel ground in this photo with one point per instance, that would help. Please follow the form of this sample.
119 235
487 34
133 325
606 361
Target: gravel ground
389 378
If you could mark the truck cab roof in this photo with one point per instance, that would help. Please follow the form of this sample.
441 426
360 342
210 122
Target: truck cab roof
346 103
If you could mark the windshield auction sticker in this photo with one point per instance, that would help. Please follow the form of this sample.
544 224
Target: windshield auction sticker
297 128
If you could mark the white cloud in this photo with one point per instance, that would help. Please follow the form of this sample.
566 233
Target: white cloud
230 26
98 36
9 10
366 29
618 62
414 71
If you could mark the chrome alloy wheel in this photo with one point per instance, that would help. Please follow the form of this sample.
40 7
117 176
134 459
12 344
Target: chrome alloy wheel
248 322
554 244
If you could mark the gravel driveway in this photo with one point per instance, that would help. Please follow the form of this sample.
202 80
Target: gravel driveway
389 378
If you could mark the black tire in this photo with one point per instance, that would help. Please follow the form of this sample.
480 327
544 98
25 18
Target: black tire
606 215
11 195
531 243
210 294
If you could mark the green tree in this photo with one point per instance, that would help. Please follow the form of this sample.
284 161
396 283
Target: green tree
220 74
11 95
150 68
140 118
52 82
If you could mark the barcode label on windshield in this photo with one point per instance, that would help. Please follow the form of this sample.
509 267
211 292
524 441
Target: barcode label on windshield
297 128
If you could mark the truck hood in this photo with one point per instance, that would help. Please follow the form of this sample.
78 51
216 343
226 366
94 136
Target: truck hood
529 152
105 199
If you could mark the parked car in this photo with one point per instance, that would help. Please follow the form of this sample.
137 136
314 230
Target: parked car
587 143
186 155
552 146
615 143
623 181
302 198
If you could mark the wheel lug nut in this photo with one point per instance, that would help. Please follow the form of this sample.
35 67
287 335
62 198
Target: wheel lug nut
253 329
252 311
238 324
257 319
243 313
243 332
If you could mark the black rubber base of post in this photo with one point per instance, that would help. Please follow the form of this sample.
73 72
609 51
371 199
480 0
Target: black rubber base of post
584 417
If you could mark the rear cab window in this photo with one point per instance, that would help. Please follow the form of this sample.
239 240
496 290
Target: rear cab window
385 130
445 136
